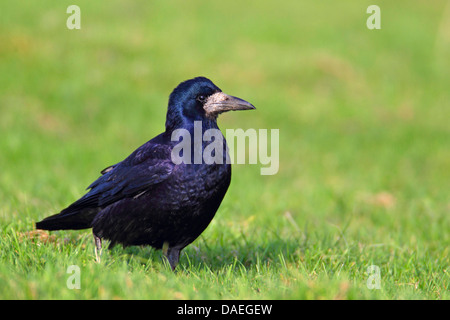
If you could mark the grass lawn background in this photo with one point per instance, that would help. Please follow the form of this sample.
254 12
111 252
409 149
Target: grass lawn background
364 173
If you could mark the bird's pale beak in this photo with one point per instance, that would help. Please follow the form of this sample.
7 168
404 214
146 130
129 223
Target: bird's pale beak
220 102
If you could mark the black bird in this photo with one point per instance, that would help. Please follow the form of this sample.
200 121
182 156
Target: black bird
148 199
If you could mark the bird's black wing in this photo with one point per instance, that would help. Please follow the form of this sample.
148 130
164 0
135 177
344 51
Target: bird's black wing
149 165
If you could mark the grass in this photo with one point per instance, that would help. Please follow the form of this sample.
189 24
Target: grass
364 145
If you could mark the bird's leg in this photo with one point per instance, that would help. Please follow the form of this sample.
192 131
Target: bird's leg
98 247
172 255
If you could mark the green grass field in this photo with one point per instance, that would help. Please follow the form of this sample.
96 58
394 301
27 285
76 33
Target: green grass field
364 173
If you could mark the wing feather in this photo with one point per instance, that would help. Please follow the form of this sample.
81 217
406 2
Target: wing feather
149 165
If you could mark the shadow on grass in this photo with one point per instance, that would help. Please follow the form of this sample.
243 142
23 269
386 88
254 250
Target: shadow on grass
214 256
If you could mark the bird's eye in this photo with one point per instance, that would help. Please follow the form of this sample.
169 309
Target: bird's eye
201 98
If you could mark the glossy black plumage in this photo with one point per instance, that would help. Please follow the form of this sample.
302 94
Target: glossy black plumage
147 199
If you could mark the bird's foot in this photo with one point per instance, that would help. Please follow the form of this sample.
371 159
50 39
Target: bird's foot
98 248
172 255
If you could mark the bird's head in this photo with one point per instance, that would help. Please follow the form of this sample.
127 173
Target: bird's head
199 99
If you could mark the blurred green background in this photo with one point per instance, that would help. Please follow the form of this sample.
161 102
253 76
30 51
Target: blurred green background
364 173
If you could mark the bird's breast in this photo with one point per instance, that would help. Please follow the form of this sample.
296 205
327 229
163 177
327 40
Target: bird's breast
192 186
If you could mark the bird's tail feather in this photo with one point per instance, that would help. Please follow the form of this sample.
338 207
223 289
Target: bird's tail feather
78 219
